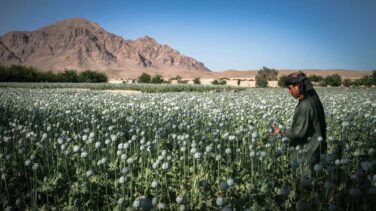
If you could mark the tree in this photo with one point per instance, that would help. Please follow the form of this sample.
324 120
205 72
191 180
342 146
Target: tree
366 81
89 76
49 77
71 76
333 80
157 79
261 82
197 80
282 81
315 78
238 82
4 74
374 77
144 78
268 73
215 82
19 73
178 78
222 81
264 75
347 82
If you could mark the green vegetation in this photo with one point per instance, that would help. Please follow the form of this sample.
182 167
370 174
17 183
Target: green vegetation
347 82
89 150
221 81
215 82
261 82
315 78
268 73
264 75
89 76
282 80
336 80
71 76
144 78
197 80
179 79
143 87
332 80
364 81
19 73
367 81
157 79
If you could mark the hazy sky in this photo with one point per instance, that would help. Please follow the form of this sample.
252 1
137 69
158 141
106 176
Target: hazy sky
231 34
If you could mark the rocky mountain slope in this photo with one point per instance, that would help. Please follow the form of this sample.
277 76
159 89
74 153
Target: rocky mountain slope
81 44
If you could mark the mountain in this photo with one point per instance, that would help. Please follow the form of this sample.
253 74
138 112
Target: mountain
77 43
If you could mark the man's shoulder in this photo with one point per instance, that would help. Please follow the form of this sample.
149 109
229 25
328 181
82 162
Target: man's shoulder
307 103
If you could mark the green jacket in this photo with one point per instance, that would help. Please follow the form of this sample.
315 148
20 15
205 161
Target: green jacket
308 125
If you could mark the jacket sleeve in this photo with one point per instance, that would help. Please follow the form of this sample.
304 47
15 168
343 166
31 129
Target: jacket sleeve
300 125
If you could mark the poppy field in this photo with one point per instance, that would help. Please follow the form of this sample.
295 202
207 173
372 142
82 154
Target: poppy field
82 150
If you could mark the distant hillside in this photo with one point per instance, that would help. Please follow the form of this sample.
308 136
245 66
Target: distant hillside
81 44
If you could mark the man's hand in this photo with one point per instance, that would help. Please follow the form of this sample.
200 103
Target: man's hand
277 131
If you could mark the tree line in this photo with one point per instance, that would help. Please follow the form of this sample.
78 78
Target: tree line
336 80
157 79
267 74
19 73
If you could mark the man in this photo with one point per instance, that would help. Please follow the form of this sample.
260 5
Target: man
308 124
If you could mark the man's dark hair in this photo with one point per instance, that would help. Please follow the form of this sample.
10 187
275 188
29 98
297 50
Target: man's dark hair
300 79
295 78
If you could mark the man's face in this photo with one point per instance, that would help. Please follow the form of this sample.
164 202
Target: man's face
294 90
